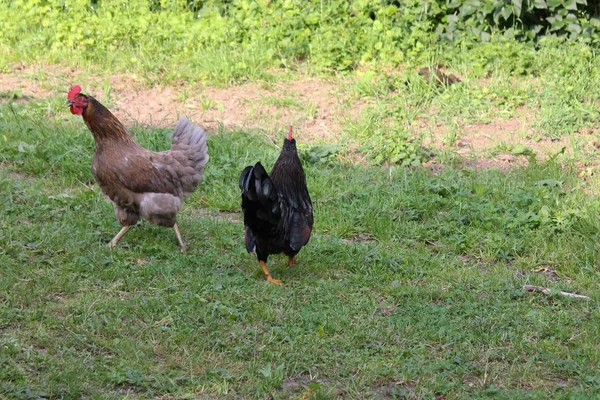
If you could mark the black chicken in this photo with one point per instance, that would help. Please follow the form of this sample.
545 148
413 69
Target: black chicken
278 214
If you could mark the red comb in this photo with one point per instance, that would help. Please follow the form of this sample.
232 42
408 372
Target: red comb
74 90
290 134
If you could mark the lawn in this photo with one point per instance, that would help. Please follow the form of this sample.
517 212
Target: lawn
411 285
433 206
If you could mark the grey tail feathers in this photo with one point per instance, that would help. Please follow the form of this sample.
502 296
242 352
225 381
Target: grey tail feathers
189 141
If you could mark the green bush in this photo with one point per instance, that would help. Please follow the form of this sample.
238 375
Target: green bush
523 19
230 40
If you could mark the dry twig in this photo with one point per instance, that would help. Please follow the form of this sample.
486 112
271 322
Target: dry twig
532 288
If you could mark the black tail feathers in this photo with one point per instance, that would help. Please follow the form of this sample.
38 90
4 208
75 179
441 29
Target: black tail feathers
259 191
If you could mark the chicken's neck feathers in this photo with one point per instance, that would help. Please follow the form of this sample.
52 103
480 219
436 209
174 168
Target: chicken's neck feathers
105 127
289 178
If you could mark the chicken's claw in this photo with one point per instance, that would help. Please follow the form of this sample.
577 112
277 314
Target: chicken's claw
274 281
263 265
291 262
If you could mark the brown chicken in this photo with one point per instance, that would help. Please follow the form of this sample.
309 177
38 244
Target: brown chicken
141 182
278 214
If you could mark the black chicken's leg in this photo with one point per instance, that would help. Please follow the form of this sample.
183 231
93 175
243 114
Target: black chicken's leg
291 261
263 265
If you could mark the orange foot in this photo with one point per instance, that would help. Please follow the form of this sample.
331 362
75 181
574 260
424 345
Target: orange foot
291 262
274 281
263 265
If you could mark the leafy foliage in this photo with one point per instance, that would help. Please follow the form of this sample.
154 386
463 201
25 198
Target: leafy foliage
229 41
526 19
322 153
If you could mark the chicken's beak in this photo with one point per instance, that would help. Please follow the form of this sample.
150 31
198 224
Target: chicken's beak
69 103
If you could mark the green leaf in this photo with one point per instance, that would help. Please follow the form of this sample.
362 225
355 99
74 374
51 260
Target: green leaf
510 33
556 23
570 5
518 5
540 4
497 15
536 28
506 12
575 29
389 11
571 18
488 8
452 18
552 4
467 10
549 183
520 149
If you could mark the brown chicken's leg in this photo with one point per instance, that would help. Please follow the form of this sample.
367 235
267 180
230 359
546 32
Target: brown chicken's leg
180 238
263 265
118 237
291 262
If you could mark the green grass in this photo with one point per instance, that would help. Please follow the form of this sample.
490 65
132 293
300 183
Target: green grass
410 286
263 42
553 100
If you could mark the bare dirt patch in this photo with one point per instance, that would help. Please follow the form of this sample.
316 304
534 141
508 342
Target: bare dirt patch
311 104
316 107
501 141
546 271
502 162
358 239
228 216
17 176
513 131
19 81
395 390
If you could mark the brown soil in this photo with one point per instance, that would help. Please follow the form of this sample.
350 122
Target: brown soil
228 216
311 105
315 107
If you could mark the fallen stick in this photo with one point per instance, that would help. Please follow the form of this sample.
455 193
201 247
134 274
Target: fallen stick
532 288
